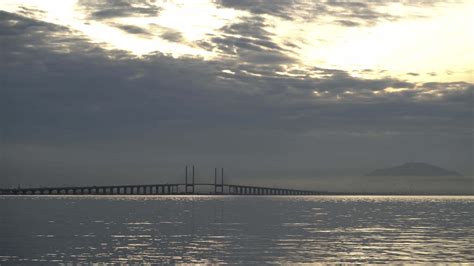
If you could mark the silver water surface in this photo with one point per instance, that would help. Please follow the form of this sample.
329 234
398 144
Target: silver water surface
233 229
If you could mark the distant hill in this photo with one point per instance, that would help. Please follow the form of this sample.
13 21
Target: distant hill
414 169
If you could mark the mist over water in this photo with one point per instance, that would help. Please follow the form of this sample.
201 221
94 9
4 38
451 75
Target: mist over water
236 229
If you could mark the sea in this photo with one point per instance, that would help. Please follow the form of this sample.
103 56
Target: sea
236 229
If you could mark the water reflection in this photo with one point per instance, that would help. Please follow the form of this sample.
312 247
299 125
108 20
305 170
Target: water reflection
233 229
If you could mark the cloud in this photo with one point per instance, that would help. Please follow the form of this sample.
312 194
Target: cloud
347 23
152 30
313 10
193 81
171 35
133 29
249 41
279 8
59 89
344 13
108 9
12 24
105 89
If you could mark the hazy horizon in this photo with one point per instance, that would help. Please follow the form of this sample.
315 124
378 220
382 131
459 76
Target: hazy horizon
329 180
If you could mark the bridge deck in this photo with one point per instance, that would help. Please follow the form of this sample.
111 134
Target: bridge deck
157 189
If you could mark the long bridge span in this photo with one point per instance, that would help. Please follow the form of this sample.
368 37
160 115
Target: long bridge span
186 188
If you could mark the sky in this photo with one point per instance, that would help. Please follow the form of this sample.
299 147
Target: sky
300 93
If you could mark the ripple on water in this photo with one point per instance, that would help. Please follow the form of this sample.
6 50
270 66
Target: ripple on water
237 230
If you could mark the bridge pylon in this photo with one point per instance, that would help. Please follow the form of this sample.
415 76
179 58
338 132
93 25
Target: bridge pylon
218 188
189 185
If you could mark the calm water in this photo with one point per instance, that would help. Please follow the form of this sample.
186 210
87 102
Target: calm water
236 229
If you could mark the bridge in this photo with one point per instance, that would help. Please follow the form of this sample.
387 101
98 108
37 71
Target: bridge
186 188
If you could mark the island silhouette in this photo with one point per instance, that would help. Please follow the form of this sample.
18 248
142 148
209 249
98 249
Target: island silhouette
414 169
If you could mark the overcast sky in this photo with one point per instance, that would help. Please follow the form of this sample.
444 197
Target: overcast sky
117 91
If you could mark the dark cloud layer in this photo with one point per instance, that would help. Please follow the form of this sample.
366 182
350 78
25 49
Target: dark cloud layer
72 112
133 29
345 13
249 41
106 9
